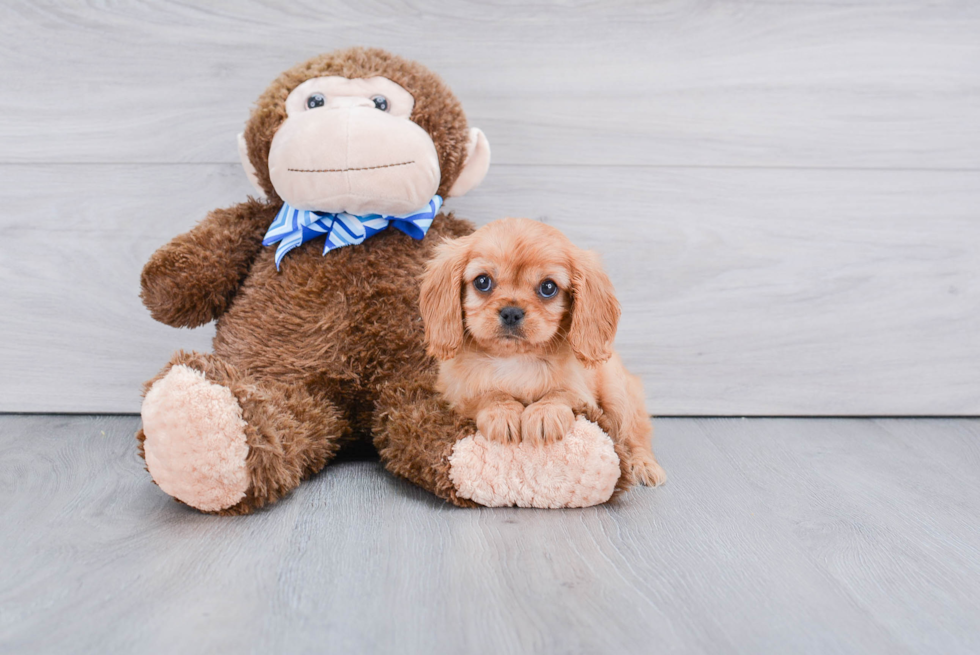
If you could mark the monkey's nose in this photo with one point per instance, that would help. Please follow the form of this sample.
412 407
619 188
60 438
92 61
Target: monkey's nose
511 316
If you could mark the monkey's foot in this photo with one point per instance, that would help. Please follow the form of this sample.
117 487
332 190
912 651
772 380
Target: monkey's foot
580 470
195 444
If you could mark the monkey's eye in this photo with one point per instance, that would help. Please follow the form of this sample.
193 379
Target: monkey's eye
315 100
548 289
380 102
483 283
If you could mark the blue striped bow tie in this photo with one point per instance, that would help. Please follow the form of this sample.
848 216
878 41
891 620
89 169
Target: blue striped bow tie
294 227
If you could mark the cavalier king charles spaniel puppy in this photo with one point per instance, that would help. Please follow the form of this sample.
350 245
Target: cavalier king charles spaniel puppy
523 323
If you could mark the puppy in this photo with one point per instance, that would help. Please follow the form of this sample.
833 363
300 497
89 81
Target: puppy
524 323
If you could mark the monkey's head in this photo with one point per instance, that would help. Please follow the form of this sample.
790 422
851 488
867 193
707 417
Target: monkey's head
361 131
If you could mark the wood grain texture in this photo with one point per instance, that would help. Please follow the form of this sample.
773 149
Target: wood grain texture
679 82
876 505
772 536
745 291
785 192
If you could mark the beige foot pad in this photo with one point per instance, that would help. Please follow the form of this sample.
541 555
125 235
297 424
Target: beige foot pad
579 471
195 440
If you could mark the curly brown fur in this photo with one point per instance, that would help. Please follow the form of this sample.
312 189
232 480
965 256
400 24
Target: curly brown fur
340 328
291 432
437 110
415 432
192 280
330 347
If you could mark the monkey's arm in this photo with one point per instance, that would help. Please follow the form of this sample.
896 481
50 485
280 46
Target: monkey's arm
192 280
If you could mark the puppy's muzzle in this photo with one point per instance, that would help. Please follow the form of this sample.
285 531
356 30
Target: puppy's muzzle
511 317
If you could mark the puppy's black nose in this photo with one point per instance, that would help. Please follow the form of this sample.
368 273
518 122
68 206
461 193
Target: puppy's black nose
511 316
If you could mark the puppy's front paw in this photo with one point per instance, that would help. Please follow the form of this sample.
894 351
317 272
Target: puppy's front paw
645 470
501 421
546 422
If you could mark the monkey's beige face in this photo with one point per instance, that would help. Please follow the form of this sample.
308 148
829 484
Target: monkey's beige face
348 145
515 299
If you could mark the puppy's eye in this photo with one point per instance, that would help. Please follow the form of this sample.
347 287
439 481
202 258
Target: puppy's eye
547 289
315 100
380 102
483 283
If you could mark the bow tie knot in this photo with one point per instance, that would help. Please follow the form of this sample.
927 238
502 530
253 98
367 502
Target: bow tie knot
294 227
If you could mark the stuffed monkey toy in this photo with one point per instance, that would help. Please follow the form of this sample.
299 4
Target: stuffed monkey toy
319 340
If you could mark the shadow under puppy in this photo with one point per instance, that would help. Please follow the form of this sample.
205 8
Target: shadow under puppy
524 323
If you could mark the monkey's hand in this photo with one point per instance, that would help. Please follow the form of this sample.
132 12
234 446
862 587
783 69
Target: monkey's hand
192 280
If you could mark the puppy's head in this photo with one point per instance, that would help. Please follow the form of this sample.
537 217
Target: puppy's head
518 286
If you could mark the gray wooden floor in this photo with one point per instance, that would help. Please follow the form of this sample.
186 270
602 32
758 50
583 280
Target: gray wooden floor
772 536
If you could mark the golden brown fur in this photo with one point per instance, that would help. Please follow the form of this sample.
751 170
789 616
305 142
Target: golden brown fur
528 381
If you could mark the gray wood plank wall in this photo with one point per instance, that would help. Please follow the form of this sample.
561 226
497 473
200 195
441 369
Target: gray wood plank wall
787 194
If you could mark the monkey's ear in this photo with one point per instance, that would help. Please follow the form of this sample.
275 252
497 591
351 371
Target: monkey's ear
247 164
476 164
440 299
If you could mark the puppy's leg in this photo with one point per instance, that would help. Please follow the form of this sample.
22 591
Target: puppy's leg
637 459
498 417
621 399
547 420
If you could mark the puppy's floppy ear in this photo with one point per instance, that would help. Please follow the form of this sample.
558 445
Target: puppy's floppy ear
440 301
595 310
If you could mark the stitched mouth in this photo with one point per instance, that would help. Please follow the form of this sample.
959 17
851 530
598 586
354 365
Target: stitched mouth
347 170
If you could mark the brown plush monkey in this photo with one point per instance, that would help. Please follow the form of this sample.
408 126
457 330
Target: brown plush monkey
315 293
